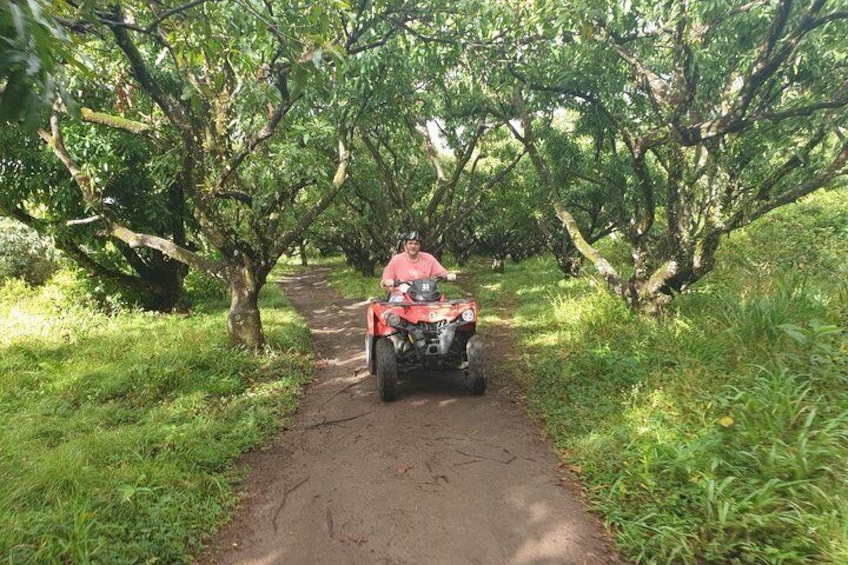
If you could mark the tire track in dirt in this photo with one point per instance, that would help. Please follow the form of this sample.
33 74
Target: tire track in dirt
438 476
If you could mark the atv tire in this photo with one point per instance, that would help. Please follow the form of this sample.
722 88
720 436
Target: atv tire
387 371
369 355
475 374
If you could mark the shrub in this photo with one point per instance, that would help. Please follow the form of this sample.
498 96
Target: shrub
24 254
200 287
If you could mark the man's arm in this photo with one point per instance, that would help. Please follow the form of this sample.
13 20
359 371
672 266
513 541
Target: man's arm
387 279
437 270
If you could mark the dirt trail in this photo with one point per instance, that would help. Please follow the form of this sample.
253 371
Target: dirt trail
437 477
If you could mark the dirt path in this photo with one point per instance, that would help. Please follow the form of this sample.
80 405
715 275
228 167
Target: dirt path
437 477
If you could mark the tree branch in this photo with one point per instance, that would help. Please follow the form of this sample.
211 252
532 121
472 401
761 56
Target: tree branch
264 134
293 235
179 114
177 10
603 266
90 195
720 127
772 54
116 122
745 215
389 175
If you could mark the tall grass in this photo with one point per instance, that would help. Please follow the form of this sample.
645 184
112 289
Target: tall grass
120 434
720 433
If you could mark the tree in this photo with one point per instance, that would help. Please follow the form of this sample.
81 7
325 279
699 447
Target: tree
423 159
38 193
506 221
360 223
32 46
258 102
586 183
722 112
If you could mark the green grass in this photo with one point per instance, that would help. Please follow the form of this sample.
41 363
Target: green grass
720 433
119 435
716 435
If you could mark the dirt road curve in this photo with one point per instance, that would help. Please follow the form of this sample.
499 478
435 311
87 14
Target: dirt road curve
437 477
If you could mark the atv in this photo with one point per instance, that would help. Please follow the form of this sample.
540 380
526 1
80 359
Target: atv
423 330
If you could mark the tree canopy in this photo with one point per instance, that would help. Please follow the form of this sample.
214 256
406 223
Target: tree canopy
215 134
697 117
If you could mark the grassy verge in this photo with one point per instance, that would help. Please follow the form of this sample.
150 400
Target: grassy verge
716 435
119 435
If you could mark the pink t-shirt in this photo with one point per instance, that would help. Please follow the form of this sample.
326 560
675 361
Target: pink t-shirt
402 268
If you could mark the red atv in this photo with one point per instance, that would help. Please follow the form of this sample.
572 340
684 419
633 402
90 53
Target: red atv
423 330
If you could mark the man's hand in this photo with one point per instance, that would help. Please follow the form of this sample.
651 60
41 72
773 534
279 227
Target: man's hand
387 283
450 277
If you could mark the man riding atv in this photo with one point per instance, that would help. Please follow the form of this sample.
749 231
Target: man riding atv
409 265
418 327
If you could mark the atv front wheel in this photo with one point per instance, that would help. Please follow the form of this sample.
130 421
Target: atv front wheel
387 372
475 374
369 355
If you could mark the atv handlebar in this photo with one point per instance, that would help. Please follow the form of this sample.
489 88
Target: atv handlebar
438 278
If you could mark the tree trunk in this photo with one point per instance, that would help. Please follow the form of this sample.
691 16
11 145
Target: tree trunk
567 256
243 322
367 268
650 296
168 286
652 304
304 260
568 264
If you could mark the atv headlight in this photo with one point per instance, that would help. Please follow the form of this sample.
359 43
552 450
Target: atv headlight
468 315
392 319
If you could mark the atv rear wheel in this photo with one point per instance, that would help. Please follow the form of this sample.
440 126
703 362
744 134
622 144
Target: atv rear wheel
387 372
475 374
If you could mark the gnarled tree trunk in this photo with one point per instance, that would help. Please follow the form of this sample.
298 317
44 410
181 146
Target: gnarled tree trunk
244 323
